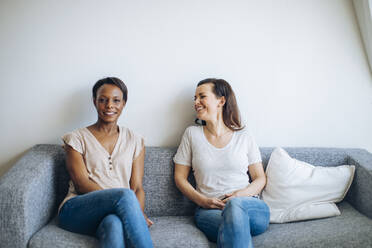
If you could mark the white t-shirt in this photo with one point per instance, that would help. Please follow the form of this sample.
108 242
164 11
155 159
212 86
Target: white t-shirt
218 171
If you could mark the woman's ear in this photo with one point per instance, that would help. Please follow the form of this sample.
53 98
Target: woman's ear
222 100
94 102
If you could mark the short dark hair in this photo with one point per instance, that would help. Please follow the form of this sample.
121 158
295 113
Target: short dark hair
111 80
230 111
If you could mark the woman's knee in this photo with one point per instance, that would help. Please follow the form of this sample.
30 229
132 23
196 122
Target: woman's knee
110 223
126 199
122 194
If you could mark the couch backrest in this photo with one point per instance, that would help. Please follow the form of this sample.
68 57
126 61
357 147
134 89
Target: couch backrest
162 195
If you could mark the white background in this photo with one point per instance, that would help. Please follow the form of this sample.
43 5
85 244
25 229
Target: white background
298 68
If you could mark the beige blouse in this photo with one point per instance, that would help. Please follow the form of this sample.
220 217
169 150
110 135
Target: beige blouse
108 171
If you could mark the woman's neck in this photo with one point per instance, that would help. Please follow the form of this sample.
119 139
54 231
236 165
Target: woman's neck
108 128
217 128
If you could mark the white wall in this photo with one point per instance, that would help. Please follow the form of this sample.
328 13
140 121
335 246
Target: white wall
298 68
363 10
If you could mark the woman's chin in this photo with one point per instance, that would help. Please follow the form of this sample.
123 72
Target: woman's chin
108 119
199 116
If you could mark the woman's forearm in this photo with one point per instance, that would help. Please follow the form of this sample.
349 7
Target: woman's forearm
140 194
189 191
254 188
87 186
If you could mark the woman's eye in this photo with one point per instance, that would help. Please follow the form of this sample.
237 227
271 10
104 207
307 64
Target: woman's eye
117 100
101 100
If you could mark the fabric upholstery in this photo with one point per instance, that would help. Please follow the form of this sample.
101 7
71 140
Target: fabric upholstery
162 196
28 194
360 193
32 189
350 229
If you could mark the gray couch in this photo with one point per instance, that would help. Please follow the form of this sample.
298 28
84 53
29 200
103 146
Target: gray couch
33 188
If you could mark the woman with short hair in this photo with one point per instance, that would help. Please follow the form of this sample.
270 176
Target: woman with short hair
105 163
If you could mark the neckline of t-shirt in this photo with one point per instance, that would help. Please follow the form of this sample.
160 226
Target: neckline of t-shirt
216 148
101 146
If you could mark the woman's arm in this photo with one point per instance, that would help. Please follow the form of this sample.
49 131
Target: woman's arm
77 170
136 182
258 177
181 173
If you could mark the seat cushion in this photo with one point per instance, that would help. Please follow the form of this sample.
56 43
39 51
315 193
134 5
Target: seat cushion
177 231
350 229
53 236
167 231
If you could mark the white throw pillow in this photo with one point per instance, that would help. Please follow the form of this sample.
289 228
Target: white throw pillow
296 190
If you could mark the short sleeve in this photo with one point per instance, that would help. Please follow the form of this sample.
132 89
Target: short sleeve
74 140
138 147
254 155
184 155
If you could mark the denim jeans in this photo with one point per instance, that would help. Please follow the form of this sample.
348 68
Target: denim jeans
234 226
113 216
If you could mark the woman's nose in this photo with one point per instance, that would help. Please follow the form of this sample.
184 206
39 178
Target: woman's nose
109 104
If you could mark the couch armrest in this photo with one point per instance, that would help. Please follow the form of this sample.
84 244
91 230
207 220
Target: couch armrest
360 192
28 194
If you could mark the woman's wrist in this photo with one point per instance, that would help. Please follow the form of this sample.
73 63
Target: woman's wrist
245 192
201 200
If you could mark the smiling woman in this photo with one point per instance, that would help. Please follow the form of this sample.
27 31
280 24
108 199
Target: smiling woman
221 153
105 163
109 97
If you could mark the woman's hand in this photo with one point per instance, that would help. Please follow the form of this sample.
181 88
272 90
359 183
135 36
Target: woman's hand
255 187
234 194
212 203
149 222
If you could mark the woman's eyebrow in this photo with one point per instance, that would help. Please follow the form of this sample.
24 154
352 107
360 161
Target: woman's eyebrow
118 96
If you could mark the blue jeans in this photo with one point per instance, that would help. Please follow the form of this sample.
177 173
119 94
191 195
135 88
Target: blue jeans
114 216
234 226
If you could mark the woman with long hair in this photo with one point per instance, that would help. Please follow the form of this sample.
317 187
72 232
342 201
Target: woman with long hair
221 153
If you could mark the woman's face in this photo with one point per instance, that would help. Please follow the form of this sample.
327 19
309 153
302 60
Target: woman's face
109 102
206 104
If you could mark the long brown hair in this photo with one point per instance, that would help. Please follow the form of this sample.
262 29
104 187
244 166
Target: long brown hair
230 111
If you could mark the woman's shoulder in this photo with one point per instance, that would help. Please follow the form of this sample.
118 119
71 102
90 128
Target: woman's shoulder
75 139
193 130
130 134
244 133
76 133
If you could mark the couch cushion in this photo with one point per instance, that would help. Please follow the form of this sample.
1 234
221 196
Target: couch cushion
53 236
350 229
167 231
177 231
296 190
162 196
